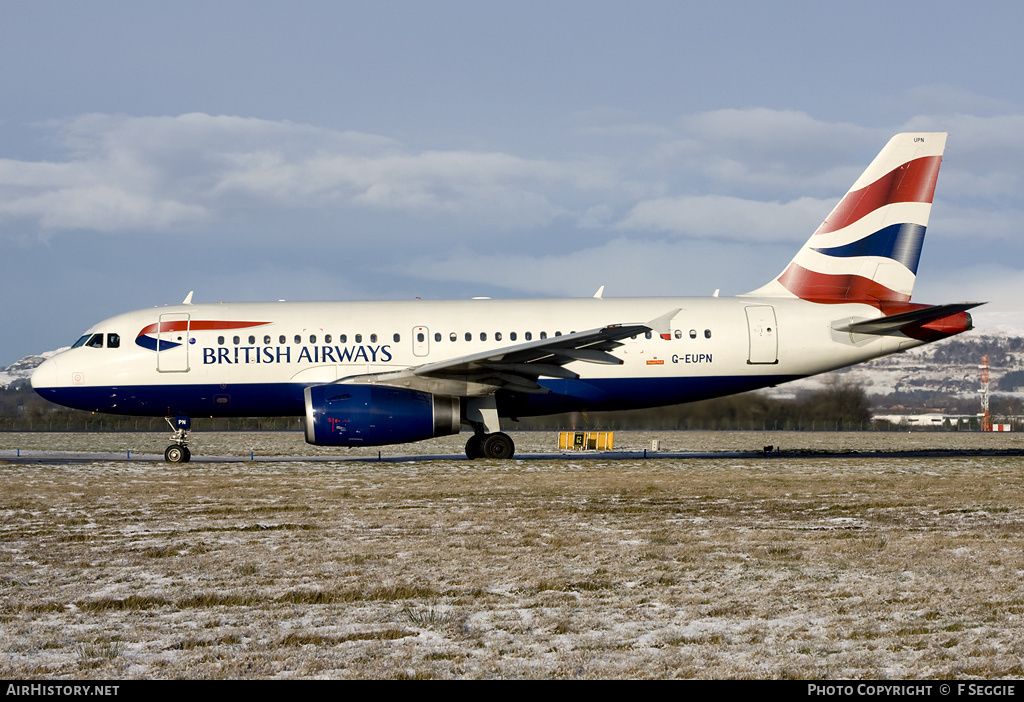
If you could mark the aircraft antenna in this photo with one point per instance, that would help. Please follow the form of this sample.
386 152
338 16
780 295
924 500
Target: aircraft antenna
986 418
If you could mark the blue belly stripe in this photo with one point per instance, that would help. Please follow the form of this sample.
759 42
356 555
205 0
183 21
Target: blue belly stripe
286 399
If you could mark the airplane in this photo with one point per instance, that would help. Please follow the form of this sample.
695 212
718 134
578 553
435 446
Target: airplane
393 372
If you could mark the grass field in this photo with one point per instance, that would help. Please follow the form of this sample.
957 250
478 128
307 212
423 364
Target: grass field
846 566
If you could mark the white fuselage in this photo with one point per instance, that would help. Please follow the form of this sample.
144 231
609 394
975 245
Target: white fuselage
255 359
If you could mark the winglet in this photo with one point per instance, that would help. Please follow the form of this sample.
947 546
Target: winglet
600 293
188 298
662 325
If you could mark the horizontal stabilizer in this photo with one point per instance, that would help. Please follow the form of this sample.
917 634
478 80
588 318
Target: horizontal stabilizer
905 321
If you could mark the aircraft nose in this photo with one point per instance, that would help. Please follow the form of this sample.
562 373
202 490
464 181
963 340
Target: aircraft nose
45 376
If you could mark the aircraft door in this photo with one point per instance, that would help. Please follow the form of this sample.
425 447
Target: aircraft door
172 342
420 341
764 342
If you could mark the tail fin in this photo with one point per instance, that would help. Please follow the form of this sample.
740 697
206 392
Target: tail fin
868 248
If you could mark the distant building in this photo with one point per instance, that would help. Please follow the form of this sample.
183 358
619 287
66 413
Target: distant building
937 420
932 419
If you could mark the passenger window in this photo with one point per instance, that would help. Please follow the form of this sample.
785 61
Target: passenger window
483 336
512 336
419 337
707 333
113 341
220 340
298 339
398 337
469 336
252 339
647 335
543 335
312 338
528 336
96 341
558 333
437 336
327 338
266 340
359 338
343 338
236 340
693 333
497 336
453 336
281 339
373 338
679 333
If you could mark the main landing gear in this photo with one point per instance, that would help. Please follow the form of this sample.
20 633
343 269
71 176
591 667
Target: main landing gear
481 413
496 445
178 451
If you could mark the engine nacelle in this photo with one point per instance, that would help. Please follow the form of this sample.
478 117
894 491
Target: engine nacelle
376 415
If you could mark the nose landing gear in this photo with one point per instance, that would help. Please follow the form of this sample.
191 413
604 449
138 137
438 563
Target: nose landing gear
178 451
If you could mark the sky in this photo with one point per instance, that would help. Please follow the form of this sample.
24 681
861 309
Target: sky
446 149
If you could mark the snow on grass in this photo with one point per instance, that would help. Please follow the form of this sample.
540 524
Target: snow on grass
838 566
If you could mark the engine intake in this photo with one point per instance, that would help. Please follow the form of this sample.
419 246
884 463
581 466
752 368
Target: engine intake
376 415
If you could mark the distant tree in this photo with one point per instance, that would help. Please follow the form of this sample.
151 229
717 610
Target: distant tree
840 401
1011 381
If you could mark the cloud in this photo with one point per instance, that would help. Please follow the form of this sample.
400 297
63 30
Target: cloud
160 172
730 218
490 187
976 223
768 133
102 208
762 154
724 176
627 267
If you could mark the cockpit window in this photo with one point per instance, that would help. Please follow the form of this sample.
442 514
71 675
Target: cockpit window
96 341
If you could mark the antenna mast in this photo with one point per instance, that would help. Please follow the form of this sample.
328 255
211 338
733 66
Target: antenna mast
986 419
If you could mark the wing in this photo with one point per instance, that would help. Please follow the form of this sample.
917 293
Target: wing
516 367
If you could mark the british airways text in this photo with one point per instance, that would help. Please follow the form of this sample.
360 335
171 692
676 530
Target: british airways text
305 354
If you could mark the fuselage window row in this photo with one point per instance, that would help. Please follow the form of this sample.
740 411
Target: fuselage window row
97 341
113 340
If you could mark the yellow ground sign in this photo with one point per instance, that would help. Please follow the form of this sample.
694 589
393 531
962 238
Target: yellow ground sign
586 440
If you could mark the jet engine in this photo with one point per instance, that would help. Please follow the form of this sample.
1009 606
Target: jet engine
376 415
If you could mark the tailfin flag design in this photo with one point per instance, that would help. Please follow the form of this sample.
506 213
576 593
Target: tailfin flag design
867 250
